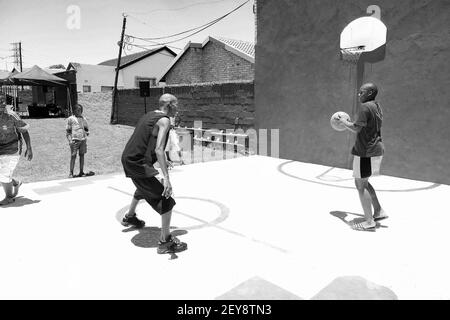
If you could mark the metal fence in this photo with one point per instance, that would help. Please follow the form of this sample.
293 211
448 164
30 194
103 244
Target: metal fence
212 141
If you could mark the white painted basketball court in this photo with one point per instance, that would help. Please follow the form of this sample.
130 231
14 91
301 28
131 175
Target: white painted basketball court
256 228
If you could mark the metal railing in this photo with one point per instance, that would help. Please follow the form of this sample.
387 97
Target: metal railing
216 139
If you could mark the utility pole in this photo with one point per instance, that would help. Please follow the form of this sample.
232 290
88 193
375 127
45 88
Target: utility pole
20 55
20 58
255 12
17 54
113 107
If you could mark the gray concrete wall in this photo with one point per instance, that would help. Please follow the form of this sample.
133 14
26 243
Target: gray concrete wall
300 82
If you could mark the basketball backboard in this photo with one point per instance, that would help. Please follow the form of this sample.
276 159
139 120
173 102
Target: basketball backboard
365 33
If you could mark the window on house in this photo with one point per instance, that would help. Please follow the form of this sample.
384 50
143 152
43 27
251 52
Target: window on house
86 88
151 81
106 88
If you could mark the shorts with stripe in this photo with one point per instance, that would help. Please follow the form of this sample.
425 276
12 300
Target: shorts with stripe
8 163
365 167
151 190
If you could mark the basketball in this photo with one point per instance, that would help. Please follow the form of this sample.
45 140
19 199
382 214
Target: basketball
336 124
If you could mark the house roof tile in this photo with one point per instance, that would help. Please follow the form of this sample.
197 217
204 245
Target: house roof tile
243 46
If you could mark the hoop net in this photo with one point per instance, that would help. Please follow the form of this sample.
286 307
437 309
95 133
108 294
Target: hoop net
351 55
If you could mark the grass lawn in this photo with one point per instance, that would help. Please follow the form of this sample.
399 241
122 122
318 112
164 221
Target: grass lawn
51 152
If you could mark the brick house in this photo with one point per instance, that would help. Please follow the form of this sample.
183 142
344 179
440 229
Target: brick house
214 60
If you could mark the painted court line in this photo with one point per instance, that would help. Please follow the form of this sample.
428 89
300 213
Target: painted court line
214 224
282 170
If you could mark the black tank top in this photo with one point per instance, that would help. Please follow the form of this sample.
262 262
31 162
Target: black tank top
139 154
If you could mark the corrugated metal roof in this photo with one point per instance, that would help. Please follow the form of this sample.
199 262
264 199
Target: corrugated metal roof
4 74
129 59
243 46
91 67
51 71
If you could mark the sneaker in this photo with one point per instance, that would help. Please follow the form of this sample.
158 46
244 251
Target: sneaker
133 221
71 176
172 245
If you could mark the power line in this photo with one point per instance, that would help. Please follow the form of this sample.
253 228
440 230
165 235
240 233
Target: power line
176 40
168 46
129 42
206 24
146 48
177 34
39 55
203 27
178 9
144 22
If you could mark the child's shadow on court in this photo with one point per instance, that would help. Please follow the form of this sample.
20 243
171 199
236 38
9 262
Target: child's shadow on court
350 218
20 202
148 237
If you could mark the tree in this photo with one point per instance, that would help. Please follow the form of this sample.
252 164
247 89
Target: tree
57 66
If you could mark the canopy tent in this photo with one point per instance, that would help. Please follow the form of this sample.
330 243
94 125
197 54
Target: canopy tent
4 74
37 77
33 77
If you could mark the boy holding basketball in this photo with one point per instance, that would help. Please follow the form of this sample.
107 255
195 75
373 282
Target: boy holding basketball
368 152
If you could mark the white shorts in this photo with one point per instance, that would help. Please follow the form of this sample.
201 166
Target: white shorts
173 143
366 167
8 163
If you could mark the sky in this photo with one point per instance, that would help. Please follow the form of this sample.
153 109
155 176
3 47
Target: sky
87 31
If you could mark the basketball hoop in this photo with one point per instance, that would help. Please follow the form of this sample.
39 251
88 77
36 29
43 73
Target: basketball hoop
351 55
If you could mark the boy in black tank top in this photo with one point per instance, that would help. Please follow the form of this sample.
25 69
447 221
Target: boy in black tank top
146 146
367 154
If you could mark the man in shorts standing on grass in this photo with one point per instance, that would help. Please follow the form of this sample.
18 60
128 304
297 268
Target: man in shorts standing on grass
368 152
11 130
145 147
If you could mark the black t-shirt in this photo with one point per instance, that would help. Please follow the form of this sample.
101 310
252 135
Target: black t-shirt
139 154
368 140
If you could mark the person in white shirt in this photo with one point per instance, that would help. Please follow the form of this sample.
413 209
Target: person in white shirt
77 131
173 144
